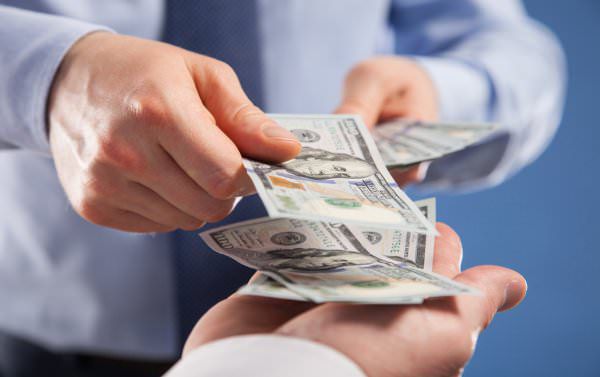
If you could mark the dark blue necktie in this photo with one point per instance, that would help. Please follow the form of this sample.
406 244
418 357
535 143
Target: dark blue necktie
225 30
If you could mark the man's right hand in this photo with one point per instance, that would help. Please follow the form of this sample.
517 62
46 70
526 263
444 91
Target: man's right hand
436 338
148 137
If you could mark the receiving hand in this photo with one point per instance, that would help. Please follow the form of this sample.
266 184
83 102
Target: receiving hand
436 338
149 137
384 88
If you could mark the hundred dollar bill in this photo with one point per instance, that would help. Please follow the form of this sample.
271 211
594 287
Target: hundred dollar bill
266 286
325 262
412 248
373 283
416 249
339 176
403 143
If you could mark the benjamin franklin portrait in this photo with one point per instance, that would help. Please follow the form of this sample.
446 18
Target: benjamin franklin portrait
301 259
320 164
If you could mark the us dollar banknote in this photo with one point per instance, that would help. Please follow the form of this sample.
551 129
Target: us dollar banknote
323 262
338 176
403 143
265 286
412 248
376 283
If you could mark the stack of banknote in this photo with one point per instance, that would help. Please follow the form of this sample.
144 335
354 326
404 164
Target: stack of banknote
404 143
339 229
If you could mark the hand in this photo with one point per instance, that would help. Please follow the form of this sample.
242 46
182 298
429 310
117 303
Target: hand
383 88
433 339
149 137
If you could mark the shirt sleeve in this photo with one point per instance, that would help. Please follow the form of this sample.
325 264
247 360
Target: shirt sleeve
489 62
266 356
32 46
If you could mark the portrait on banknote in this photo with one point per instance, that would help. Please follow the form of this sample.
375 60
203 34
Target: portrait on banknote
301 260
318 164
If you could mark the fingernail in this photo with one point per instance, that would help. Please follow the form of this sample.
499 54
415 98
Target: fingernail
244 191
513 294
422 173
277 132
246 188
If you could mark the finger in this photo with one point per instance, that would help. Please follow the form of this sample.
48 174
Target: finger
179 190
448 251
502 289
412 107
365 92
147 203
201 150
256 135
124 220
415 174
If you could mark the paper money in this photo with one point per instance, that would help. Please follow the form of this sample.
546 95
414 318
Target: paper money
265 286
411 248
408 247
403 143
339 176
374 283
323 262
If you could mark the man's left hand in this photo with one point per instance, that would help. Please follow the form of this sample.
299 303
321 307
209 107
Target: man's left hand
388 87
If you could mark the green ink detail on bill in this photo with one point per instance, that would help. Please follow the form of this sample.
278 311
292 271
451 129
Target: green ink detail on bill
288 203
343 203
371 284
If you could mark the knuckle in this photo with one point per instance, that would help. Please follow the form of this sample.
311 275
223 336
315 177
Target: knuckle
219 211
96 189
115 152
221 182
364 68
247 112
91 209
222 71
147 106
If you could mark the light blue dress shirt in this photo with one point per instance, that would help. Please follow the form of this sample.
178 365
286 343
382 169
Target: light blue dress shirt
71 285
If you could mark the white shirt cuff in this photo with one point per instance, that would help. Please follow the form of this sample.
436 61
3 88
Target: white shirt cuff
38 43
463 90
265 356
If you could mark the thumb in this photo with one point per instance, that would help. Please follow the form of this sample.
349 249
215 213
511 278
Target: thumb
364 94
502 288
256 135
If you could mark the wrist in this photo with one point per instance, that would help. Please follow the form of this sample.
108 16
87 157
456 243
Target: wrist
67 77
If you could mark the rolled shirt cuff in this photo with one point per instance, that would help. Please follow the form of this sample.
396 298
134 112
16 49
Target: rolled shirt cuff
464 91
40 43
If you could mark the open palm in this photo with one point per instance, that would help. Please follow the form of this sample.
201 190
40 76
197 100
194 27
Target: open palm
433 339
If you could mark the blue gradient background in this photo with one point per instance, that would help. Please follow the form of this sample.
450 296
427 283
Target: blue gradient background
543 223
